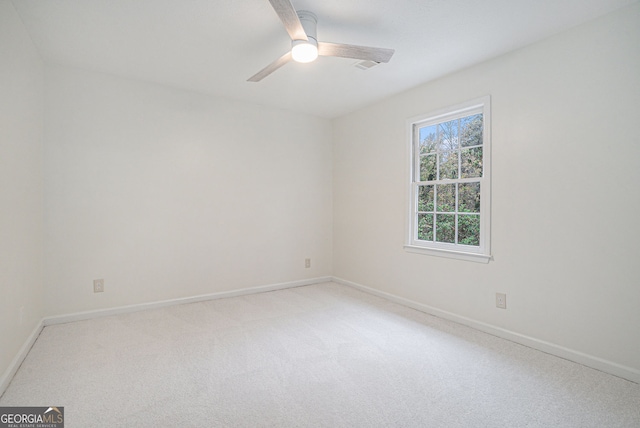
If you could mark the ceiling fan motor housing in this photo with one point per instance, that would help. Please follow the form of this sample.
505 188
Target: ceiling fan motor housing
309 22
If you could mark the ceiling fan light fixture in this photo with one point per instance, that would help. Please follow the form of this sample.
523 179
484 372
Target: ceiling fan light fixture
301 27
304 51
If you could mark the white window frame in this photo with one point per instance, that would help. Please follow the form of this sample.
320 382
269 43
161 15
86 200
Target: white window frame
481 253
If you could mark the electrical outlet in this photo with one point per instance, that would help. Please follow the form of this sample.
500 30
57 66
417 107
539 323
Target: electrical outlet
501 300
98 285
307 263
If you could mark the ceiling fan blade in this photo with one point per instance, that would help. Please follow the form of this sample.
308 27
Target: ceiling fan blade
270 68
355 52
289 18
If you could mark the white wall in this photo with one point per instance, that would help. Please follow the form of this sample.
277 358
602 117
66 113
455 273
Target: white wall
168 194
21 186
566 170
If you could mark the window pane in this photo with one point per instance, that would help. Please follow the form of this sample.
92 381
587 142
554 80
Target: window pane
471 130
471 163
428 167
469 229
425 227
446 197
446 228
469 197
449 135
428 139
448 165
425 198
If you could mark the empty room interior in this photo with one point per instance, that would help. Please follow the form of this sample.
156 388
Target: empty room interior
432 223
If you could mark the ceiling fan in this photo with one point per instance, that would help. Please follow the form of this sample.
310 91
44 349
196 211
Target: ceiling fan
305 47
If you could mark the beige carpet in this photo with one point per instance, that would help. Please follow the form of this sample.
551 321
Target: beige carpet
315 356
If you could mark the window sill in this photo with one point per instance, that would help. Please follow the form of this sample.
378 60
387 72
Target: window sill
459 255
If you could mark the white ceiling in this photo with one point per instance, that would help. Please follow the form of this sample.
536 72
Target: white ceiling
214 46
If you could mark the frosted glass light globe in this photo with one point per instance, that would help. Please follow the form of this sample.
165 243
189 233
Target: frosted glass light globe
304 51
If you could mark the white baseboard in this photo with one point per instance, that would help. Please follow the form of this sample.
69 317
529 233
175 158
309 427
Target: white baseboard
78 316
5 380
550 348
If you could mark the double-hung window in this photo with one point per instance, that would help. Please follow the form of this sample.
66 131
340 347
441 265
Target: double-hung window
449 208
